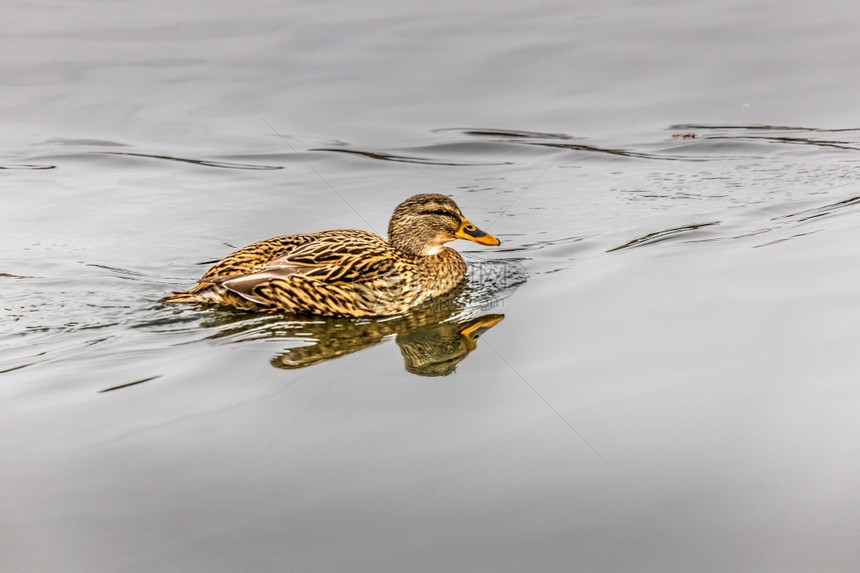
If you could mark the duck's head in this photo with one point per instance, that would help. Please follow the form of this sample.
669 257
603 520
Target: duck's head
422 225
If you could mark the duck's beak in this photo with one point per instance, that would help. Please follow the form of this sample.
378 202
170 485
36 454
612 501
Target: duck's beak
470 232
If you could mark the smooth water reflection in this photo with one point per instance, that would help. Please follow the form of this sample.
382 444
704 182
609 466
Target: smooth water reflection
433 339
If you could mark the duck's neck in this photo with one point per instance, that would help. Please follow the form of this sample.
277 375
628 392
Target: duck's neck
416 248
415 240
447 267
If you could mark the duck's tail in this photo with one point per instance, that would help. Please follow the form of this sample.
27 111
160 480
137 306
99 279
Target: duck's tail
210 293
183 296
191 295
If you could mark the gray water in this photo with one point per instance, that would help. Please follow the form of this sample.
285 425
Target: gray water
673 388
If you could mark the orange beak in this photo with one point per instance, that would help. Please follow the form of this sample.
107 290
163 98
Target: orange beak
470 232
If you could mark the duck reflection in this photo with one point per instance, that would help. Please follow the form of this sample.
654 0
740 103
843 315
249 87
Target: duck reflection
436 349
430 349
432 339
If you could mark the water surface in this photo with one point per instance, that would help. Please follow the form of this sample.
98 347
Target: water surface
672 388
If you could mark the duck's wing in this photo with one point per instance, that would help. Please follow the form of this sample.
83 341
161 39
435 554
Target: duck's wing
331 257
340 258
332 265
255 257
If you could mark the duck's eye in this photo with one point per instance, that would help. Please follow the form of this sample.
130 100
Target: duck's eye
440 213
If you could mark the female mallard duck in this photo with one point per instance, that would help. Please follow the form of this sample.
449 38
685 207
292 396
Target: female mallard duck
347 272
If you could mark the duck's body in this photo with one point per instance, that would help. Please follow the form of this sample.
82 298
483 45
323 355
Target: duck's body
346 272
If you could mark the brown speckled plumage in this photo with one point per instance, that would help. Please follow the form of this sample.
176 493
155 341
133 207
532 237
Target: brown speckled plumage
346 272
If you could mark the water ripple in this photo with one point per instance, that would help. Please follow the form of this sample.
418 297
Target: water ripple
514 134
659 236
822 211
28 167
406 159
563 141
201 162
766 133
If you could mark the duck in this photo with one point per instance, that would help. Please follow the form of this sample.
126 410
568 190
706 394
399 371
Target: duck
347 272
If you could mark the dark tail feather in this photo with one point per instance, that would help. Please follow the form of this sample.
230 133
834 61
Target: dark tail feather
183 296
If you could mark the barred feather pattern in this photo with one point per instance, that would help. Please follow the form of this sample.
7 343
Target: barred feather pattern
349 273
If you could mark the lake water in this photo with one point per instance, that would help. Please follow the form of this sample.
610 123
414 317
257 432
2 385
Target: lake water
666 378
